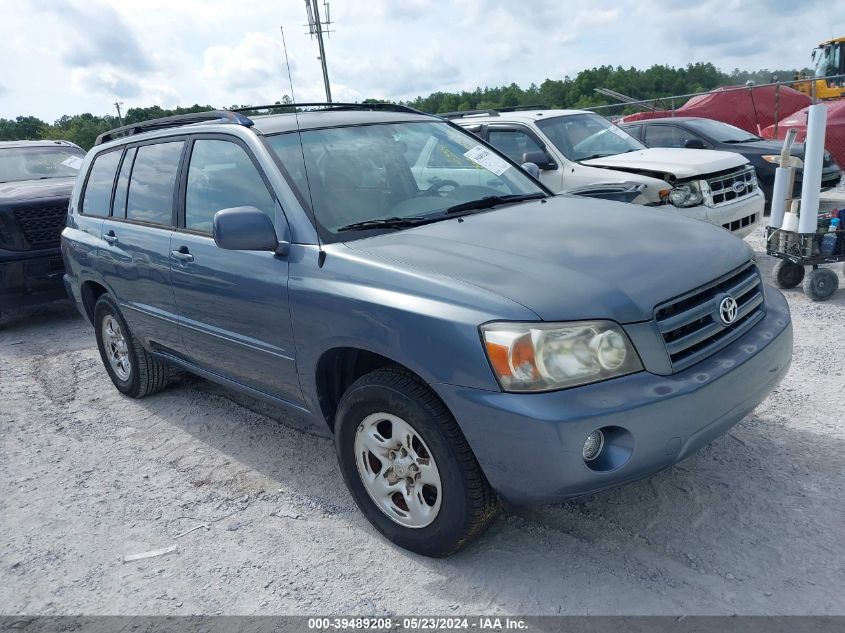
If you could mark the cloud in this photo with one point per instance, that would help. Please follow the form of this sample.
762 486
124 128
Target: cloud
3 90
253 66
98 35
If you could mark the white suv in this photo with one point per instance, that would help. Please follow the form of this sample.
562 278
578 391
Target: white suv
574 149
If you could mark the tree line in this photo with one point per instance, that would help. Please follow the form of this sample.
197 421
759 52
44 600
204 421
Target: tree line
578 92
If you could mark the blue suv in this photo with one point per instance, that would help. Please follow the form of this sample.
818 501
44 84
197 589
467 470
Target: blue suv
468 337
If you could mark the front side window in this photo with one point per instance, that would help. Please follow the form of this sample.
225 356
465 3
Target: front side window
152 183
221 176
385 174
585 136
39 162
98 188
513 143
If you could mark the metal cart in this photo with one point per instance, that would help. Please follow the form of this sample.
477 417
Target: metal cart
797 250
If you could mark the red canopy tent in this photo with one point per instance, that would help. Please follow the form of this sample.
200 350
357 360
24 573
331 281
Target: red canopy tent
834 134
751 109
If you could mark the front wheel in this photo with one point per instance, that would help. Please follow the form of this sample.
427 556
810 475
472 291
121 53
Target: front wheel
408 466
787 274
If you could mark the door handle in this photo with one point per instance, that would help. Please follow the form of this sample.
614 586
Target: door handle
110 237
183 255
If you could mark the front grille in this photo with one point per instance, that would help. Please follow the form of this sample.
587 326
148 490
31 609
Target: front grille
725 188
691 326
741 223
42 225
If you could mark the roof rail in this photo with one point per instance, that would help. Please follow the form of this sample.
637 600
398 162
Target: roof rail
489 112
220 116
462 113
390 107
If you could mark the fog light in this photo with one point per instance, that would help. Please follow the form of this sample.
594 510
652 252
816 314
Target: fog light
593 445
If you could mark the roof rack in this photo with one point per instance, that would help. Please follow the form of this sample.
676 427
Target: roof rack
489 112
220 116
390 107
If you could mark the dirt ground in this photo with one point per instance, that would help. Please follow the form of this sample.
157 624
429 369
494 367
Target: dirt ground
752 524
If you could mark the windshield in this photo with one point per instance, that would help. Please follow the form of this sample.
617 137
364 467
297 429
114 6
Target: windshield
583 136
827 60
722 132
389 176
34 163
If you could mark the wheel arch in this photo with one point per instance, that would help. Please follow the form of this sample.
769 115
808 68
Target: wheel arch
90 291
338 367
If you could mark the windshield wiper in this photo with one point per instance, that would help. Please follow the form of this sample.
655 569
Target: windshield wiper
746 140
386 223
488 202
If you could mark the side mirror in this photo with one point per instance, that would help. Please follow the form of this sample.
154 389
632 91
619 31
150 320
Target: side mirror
531 168
539 158
694 143
244 229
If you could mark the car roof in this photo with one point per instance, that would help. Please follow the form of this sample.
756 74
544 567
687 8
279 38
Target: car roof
316 119
519 115
669 120
59 143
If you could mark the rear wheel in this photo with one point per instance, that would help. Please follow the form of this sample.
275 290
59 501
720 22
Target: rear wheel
408 466
130 367
820 284
787 274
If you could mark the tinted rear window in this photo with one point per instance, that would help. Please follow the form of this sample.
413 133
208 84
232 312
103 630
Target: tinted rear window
100 180
153 179
119 205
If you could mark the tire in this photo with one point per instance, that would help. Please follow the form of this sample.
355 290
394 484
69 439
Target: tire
787 274
131 368
820 284
437 521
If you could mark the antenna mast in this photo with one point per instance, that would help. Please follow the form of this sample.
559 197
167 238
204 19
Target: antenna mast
316 27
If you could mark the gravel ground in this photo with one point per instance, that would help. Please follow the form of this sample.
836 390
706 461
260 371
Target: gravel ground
752 524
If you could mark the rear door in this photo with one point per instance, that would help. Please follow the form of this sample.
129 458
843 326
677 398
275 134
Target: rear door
233 305
134 253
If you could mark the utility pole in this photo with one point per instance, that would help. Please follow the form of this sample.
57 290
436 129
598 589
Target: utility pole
117 105
315 27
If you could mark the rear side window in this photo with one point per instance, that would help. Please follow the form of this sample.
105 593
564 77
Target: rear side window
222 176
153 180
98 188
120 191
665 136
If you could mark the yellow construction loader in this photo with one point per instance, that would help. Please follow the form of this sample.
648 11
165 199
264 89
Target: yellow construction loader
828 59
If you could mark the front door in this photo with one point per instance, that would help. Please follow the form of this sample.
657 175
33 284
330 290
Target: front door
233 305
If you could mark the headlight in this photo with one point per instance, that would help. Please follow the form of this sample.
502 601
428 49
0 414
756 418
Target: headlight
794 161
548 356
686 195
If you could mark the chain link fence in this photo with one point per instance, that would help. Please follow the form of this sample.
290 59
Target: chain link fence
766 110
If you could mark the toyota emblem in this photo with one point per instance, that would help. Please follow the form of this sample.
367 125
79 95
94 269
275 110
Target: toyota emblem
728 310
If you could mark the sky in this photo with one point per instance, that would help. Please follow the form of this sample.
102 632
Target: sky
72 56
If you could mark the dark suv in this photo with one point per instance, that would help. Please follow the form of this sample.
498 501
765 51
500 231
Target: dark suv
466 335
36 179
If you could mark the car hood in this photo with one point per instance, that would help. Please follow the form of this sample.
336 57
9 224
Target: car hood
569 258
681 163
24 190
766 148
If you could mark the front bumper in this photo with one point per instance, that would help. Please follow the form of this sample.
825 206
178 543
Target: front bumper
740 217
529 445
30 278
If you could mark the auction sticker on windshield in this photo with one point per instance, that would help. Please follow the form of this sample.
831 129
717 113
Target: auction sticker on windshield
487 159
74 162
